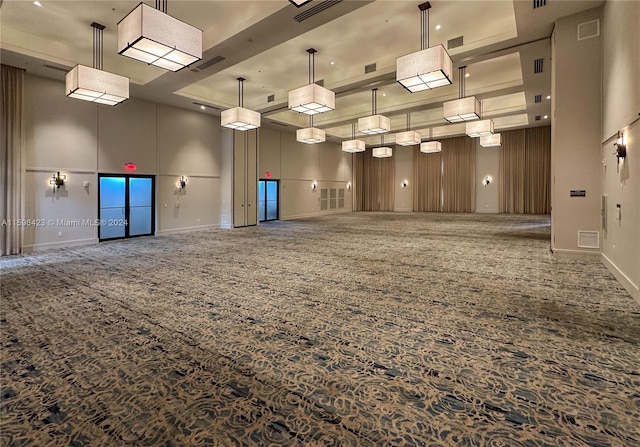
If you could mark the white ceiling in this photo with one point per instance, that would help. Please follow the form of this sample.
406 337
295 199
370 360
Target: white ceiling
261 42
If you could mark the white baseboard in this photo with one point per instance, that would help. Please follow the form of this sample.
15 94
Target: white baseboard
187 229
626 282
565 253
403 210
316 214
226 226
53 245
488 211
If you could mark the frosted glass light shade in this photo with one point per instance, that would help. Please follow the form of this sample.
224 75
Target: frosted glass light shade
480 128
353 146
429 147
463 109
374 124
408 138
239 118
149 35
310 135
490 140
425 69
382 152
94 85
312 99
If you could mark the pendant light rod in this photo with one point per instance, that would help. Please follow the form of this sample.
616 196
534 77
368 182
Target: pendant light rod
97 45
241 91
374 101
424 25
353 131
312 65
408 121
161 5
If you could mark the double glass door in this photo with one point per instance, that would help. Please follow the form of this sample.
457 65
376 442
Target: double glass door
126 206
267 200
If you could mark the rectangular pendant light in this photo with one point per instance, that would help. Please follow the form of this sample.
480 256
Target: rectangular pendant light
299 3
480 128
95 85
310 135
353 146
408 138
425 69
374 124
429 147
463 109
239 118
149 35
382 152
312 99
490 140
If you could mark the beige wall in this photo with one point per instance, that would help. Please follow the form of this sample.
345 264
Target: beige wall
576 131
621 106
403 157
487 164
81 139
297 165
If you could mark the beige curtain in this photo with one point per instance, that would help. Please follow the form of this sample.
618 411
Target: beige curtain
374 180
427 185
458 175
11 157
524 176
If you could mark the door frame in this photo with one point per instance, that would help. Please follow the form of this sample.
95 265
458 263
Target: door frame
127 206
277 181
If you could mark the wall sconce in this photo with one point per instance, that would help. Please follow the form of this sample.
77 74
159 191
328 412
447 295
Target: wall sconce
57 180
404 183
349 186
314 185
621 148
486 181
182 183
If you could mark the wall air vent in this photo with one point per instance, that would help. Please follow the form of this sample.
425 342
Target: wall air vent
271 98
538 117
210 62
538 65
321 6
539 3
589 29
588 239
537 98
370 68
455 42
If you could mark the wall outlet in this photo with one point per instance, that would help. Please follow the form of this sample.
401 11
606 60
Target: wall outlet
59 233
177 204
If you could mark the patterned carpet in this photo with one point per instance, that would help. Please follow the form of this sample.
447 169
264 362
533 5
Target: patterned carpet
365 329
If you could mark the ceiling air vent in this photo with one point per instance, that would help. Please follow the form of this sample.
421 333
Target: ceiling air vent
538 117
65 69
320 82
271 98
321 6
538 65
590 29
455 42
370 68
210 62
537 98
539 3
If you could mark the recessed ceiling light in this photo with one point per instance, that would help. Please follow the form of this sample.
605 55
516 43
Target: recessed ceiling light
438 27
37 3
203 107
546 116
466 75
333 63
384 94
548 96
